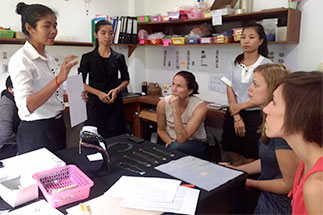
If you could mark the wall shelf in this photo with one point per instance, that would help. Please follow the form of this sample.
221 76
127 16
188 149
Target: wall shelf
288 17
16 41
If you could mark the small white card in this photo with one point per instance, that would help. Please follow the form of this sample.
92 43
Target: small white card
95 157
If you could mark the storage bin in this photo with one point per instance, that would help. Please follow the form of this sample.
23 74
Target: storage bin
237 34
164 18
193 14
177 15
167 42
141 19
6 33
156 18
143 41
192 40
227 33
155 41
206 40
63 185
178 40
270 26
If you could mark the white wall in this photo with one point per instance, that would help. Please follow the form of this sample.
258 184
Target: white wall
145 63
72 21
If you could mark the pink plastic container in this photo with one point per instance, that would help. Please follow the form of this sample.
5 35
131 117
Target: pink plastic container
155 18
63 185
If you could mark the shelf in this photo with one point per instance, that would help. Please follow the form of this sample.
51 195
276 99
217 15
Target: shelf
286 17
218 44
16 41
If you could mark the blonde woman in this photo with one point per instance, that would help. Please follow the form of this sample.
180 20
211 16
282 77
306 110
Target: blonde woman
277 164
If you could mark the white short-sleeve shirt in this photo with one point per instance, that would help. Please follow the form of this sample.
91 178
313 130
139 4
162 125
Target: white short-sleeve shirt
239 77
30 72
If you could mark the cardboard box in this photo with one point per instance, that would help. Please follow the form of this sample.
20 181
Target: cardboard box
17 191
281 33
218 4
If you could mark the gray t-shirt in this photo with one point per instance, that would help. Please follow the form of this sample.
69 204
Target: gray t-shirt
239 77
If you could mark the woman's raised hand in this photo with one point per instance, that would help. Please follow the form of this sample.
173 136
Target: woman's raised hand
174 101
66 67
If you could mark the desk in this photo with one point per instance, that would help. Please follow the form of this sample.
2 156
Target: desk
134 109
224 199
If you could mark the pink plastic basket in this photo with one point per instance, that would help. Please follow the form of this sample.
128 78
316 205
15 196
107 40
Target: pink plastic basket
54 183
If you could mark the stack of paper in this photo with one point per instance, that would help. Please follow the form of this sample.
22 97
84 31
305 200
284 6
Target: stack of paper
41 208
31 162
154 194
199 172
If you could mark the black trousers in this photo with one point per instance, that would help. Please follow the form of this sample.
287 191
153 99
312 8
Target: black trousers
108 118
48 133
247 145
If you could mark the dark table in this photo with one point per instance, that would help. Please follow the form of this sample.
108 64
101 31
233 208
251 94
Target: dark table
222 200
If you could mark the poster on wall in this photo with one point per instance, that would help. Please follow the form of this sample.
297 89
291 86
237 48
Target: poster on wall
169 59
215 83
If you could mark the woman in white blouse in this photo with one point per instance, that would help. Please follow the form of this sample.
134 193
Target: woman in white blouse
37 82
240 137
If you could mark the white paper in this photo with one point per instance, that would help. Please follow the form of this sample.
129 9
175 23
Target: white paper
184 203
95 157
41 207
77 104
31 162
145 188
108 205
215 83
199 172
216 17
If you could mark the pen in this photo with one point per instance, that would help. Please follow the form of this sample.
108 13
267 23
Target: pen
188 185
84 209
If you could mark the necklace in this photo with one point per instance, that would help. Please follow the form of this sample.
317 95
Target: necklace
164 152
154 155
131 168
129 146
145 157
138 161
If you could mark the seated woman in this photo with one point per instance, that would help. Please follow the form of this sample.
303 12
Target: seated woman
180 117
278 163
295 114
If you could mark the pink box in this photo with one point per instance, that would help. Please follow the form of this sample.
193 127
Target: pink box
63 185
155 18
207 40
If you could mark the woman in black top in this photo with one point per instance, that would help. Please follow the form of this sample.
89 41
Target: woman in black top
105 106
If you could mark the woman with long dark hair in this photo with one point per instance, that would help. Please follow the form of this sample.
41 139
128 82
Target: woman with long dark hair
105 105
243 118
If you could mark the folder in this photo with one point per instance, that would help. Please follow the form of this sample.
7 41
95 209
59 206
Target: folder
116 36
